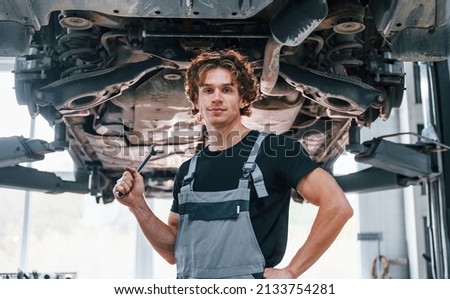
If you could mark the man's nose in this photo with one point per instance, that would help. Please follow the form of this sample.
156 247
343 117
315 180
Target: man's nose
217 95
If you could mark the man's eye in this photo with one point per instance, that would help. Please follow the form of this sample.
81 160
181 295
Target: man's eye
227 90
207 90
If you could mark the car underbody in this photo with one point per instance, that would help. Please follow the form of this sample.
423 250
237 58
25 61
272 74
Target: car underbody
108 75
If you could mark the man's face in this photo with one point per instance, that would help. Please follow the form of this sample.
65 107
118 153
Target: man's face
219 101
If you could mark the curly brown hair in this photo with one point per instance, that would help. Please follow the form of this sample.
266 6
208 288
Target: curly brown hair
231 60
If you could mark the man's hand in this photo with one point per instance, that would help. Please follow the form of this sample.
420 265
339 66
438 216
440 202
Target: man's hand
272 273
131 185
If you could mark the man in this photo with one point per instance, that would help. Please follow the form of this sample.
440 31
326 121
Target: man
231 200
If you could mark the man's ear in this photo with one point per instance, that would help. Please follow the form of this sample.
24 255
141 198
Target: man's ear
243 104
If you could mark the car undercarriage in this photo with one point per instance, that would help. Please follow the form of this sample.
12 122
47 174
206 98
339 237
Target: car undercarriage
108 75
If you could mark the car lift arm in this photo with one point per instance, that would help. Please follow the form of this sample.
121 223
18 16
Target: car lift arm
17 149
395 165
42 181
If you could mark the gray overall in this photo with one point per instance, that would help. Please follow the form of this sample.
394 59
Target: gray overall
215 235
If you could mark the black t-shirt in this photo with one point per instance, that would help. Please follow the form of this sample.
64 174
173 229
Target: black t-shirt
283 162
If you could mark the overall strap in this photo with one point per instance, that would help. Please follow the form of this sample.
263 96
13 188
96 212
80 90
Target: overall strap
251 168
188 179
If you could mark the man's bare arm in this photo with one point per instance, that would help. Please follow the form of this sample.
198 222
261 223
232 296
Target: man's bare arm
161 236
322 190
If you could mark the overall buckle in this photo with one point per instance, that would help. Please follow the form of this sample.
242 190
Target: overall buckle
247 169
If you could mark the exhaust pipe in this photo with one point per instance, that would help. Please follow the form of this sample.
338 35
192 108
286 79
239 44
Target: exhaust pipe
290 26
